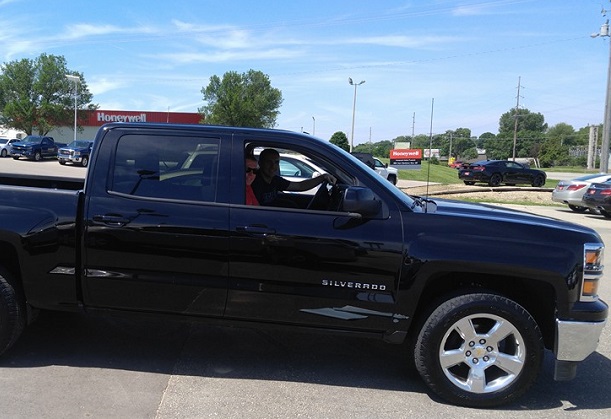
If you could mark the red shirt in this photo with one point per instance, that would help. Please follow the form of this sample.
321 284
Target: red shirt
251 199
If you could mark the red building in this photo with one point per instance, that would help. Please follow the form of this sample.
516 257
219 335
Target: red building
100 117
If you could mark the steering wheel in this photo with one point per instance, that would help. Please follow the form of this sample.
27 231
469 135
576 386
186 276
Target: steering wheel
321 198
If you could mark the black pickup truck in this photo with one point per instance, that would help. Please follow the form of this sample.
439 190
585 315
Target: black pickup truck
160 226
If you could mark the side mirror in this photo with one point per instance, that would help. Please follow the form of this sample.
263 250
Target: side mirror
362 201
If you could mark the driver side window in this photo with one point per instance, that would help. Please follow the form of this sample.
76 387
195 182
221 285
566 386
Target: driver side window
177 168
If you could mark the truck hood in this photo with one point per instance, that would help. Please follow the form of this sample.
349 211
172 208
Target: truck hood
488 212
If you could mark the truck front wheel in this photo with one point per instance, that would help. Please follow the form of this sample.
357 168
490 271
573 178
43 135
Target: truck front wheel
12 314
37 156
479 350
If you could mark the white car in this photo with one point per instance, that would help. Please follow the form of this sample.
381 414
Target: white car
571 191
389 173
5 146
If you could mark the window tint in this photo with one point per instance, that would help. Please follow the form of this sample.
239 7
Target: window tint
184 168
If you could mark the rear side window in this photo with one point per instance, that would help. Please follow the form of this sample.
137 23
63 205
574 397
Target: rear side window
183 168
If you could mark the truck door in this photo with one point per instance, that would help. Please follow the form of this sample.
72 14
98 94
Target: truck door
314 267
156 226
47 147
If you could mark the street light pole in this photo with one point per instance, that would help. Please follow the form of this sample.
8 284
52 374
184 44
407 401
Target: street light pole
604 148
76 81
313 126
353 110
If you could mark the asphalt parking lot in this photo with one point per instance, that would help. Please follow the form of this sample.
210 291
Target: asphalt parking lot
75 365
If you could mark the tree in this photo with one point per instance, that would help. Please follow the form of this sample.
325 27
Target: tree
530 135
341 140
241 100
35 94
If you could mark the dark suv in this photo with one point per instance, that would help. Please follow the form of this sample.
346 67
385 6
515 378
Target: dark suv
495 172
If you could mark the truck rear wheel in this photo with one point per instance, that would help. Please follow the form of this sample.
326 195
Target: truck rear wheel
12 314
479 350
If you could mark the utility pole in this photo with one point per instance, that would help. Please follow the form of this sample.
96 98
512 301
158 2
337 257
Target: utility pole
604 148
592 146
515 126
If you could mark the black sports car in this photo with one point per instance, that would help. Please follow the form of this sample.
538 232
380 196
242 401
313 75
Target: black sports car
496 172
598 197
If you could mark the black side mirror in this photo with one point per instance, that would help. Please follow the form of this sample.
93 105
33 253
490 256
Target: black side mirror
362 201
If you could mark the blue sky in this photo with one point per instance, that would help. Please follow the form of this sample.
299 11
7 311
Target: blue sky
466 56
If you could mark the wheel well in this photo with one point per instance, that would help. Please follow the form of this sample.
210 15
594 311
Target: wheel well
9 259
537 297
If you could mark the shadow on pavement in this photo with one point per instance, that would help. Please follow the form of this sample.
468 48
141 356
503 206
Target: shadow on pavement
190 349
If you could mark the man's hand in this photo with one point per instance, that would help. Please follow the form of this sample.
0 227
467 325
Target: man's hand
330 179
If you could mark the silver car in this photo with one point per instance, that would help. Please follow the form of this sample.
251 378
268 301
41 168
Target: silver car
5 146
570 191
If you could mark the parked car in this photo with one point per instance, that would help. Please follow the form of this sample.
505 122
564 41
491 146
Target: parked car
571 191
35 147
598 197
5 146
389 173
75 152
296 168
496 172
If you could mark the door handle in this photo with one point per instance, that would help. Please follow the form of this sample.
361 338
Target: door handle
111 220
256 230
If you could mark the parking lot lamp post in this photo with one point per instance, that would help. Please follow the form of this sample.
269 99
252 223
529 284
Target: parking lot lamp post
353 110
76 81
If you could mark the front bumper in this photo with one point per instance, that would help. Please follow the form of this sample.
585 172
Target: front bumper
575 341
73 159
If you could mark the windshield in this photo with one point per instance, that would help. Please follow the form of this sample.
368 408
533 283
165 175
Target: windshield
31 139
79 144
3 140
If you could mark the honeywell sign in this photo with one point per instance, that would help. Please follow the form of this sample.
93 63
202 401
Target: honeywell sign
103 117
406 158
100 117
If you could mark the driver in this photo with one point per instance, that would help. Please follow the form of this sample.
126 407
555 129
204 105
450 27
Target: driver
267 183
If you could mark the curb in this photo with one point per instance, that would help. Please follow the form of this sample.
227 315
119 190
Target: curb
485 189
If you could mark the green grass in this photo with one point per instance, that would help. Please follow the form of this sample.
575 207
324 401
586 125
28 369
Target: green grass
431 173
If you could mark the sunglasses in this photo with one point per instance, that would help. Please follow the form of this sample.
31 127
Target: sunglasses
251 170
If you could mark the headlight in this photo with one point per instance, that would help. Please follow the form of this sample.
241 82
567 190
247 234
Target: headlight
593 256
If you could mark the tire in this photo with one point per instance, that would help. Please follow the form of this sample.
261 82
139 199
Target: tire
495 180
392 179
538 181
37 156
577 208
468 182
496 361
605 214
12 314
15 157
62 162
3 153
85 161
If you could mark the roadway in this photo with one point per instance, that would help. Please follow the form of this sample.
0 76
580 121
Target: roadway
74 366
